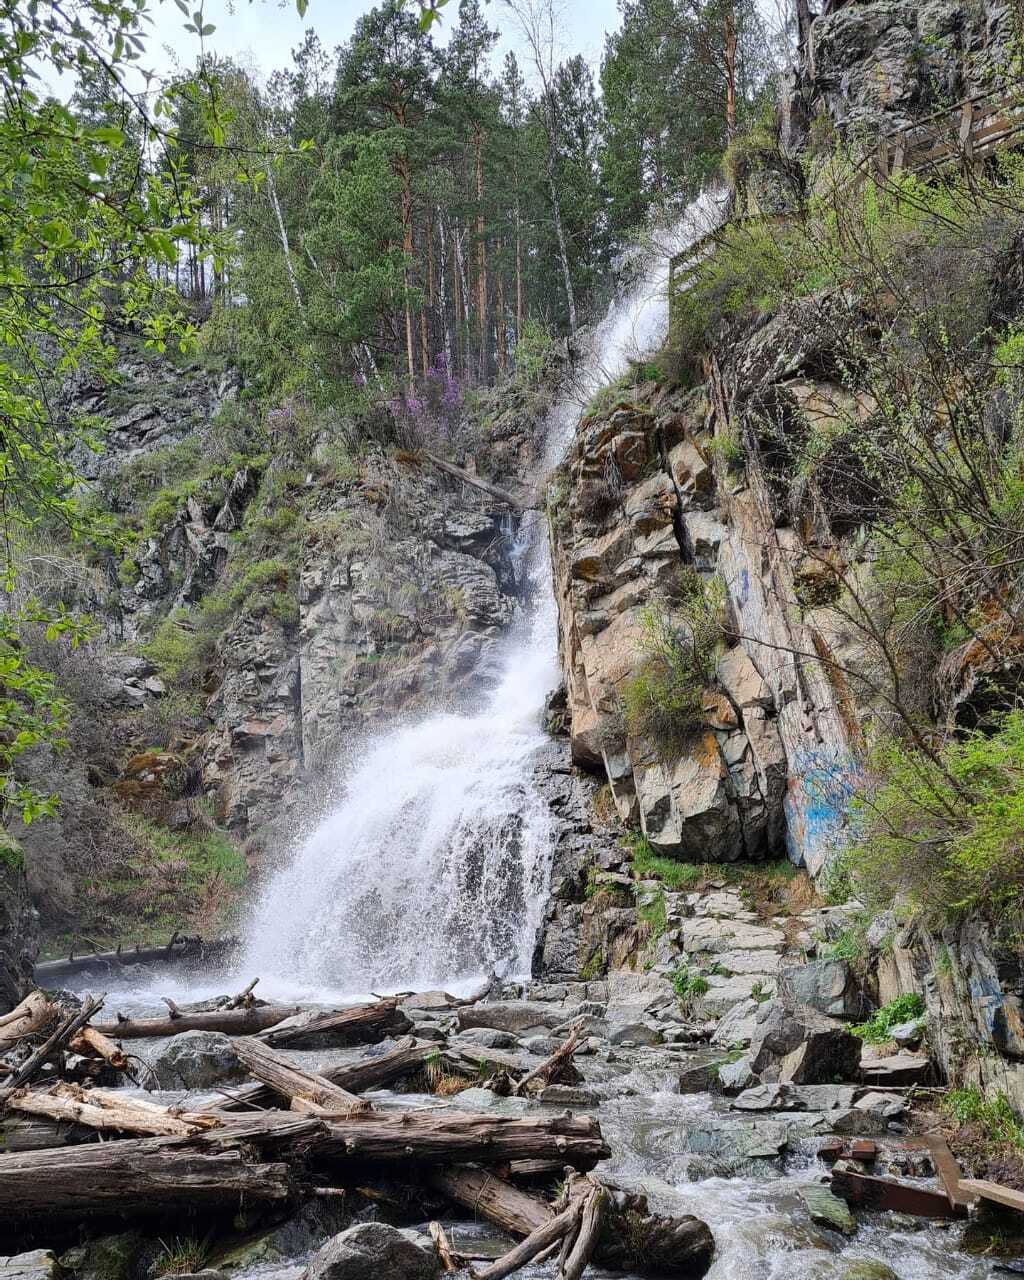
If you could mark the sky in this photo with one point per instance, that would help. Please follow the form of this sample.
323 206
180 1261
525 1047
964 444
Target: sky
263 33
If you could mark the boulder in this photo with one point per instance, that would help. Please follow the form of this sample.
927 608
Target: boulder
735 1076
897 1069
908 1035
370 1251
825 985
827 1054
762 1097
827 1210
491 1038
640 1033
197 1060
516 1016
739 1024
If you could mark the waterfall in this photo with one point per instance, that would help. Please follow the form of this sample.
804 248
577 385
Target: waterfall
432 867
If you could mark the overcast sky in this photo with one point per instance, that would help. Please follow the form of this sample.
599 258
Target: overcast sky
263 33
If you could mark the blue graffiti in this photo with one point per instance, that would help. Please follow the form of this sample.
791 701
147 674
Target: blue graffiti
817 804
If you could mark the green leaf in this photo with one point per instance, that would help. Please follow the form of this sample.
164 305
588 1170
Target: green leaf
208 30
302 6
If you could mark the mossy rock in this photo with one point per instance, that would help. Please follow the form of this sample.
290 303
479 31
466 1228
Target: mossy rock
869 1270
114 1257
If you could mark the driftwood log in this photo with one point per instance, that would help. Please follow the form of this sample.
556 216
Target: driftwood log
629 1237
92 1043
108 1111
303 1089
28 1018
136 1176
556 1067
407 1057
358 1024
239 1022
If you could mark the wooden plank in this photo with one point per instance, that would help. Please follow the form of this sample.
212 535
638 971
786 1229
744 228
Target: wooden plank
945 1166
995 1192
871 1192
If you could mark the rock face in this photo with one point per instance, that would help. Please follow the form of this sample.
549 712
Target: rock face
370 1251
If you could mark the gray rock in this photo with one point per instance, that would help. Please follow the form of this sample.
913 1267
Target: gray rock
825 985
827 1054
738 1026
567 1095
639 1033
196 1060
490 1038
516 1016
735 1076
908 1035
889 1105
543 1046
827 1210
39 1264
371 1251
762 1097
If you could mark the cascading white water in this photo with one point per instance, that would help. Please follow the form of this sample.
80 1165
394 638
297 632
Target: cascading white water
432 867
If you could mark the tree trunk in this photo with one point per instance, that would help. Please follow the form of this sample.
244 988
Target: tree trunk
56 973
238 1022
146 1175
28 1018
312 1092
402 167
451 1137
108 1112
89 1042
556 211
729 52
449 468
282 232
632 1239
442 283
481 249
407 1057
359 1024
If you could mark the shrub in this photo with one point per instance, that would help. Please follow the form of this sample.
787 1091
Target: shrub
688 986
534 353
945 832
994 1116
662 701
902 1009
647 865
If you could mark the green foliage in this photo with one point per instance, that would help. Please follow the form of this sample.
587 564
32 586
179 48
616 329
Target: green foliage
850 945
647 865
945 833
653 914
12 856
662 700
993 1115
688 986
181 1256
903 1009
534 353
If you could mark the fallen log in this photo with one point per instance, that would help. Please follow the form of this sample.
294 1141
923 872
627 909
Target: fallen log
108 1112
358 1024
494 1199
475 482
90 1042
631 1238
537 1242
442 1248
53 1043
57 973
304 1090
239 1022
407 1057
555 1066
452 1137
138 1176
28 1018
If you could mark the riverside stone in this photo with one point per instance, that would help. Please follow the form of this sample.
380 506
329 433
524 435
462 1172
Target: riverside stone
825 985
197 1060
369 1251
827 1210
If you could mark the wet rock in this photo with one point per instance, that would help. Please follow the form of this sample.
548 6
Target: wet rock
825 985
566 1095
866 1269
827 1210
119 1256
428 1000
196 1060
762 1097
897 1069
370 1251
889 1105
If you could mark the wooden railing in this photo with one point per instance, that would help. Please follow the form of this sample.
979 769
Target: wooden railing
965 135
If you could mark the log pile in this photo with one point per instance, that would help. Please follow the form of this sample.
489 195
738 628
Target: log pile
79 1156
